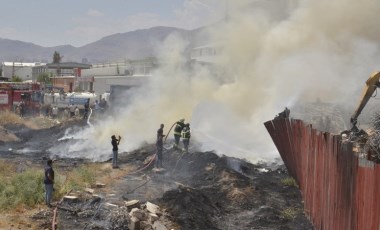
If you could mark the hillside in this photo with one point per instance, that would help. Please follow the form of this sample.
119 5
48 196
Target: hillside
132 45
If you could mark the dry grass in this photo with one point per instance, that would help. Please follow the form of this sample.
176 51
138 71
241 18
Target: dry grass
240 195
8 117
7 169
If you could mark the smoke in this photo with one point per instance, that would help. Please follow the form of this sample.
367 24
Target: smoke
274 54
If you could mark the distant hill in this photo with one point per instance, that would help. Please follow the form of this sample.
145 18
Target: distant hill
131 45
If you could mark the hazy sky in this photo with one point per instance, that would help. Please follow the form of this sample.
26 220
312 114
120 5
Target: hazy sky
79 22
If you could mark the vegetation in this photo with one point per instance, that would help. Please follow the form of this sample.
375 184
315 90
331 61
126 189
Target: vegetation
289 181
57 58
290 213
77 180
16 79
20 189
26 189
44 78
8 117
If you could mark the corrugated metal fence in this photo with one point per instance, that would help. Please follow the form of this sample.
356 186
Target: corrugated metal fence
340 190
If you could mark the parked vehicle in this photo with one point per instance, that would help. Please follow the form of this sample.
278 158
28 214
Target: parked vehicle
22 97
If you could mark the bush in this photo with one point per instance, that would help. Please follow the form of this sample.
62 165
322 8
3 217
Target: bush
76 180
289 181
290 213
25 188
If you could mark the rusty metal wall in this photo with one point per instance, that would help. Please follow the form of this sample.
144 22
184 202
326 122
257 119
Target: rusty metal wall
339 189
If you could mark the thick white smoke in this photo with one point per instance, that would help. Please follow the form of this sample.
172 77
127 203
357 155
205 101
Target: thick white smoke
274 55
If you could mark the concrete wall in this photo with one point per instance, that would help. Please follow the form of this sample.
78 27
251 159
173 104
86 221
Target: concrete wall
24 72
102 84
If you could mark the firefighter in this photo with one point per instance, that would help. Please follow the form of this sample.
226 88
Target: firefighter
186 137
159 146
177 132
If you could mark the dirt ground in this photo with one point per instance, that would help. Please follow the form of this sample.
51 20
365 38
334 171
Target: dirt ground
199 190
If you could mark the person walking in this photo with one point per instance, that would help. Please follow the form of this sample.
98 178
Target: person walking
177 132
49 182
159 146
186 137
115 142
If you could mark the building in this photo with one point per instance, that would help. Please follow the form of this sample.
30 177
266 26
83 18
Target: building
206 53
62 74
22 70
129 73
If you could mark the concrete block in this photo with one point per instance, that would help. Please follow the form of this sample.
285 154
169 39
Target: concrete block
134 224
100 185
138 213
152 217
152 208
132 204
89 190
159 226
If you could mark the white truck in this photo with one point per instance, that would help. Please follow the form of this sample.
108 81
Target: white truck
63 100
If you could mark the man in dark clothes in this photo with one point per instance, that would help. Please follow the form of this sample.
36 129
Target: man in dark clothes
177 132
160 146
86 108
115 142
49 182
186 137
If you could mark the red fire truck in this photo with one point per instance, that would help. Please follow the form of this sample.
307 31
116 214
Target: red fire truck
20 95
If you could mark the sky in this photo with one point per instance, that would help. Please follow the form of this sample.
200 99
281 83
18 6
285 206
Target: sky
56 22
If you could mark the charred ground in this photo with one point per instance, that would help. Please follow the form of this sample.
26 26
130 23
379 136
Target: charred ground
200 190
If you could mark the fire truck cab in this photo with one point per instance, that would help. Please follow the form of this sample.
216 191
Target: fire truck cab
19 96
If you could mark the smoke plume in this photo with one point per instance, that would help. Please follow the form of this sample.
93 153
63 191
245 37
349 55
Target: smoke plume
273 54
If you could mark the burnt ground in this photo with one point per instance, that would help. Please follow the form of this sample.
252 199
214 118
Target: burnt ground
199 190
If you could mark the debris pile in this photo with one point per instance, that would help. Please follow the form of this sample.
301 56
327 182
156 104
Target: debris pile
195 190
372 143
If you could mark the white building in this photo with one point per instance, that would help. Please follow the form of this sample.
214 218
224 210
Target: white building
206 54
128 73
20 69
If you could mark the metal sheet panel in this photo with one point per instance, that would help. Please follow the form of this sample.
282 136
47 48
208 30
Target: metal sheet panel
339 189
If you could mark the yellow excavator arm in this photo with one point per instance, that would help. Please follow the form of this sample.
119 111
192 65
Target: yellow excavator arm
371 84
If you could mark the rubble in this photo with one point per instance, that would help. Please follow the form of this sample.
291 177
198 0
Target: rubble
205 191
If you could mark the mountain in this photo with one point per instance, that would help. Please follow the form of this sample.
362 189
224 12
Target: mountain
131 45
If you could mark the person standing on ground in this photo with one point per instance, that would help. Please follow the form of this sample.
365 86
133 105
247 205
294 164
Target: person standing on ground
76 111
115 142
160 146
86 109
186 137
49 182
72 110
55 112
177 132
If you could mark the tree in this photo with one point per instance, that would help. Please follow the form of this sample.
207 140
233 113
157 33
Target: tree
16 79
44 77
57 58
